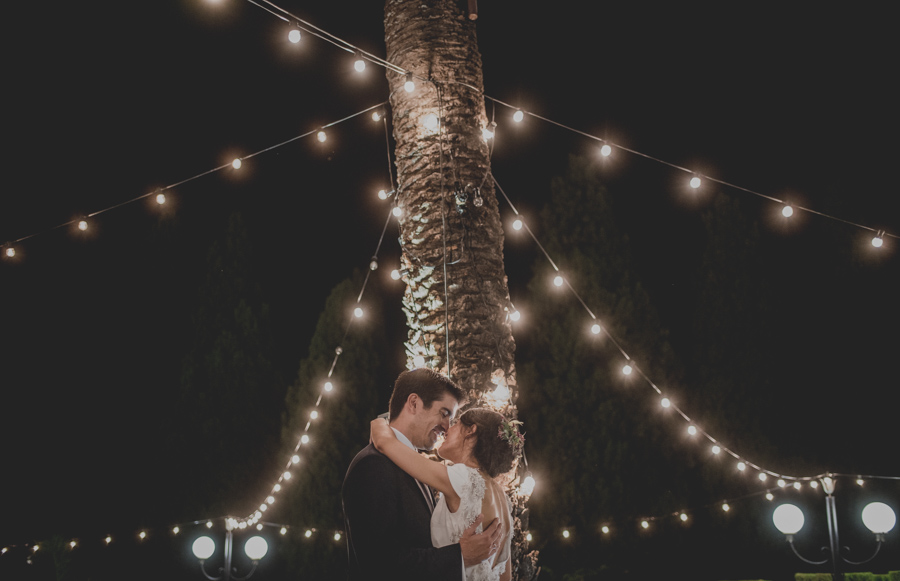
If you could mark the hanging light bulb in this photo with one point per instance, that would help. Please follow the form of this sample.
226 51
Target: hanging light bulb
142 535
287 475
328 386
359 64
515 316
741 466
566 533
813 484
409 85
236 163
295 459
797 486
487 133
308 533
770 496
878 240
558 280
528 537
160 199
627 369
418 362
645 524
321 136
781 483
604 529
397 212
176 530
10 251
395 274
528 484
692 430
606 150
518 116
72 544
596 328
373 264
304 439
695 182
270 499
725 507
283 531
763 476
358 312
430 121
313 415
294 36
382 195
337 536
277 488
82 225
376 116
209 524
683 517
787 211
665 402
517 224
716 449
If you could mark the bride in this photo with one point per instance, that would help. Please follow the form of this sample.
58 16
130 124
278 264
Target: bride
481 445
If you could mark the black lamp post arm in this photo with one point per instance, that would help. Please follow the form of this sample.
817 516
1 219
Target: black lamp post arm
790 540
879 539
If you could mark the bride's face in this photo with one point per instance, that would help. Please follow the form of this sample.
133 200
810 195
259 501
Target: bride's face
454 446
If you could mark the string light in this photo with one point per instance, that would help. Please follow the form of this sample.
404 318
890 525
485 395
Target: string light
566 533
725 507
604 529
10 251
683 517
304 439
358 312
328 386
376 116
595 329
313 415
517 224
236 164
878 240
397 212
409 85
692 430
528 537
665 402
359 64
176 530
321 136
295 459
518 116
787 211
294 36
695 182
716 449
395 274
627 369
82 225
558 280
337 536
606 150
645 524
160 199
430 121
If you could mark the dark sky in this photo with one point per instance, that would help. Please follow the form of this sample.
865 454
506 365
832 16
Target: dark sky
106 101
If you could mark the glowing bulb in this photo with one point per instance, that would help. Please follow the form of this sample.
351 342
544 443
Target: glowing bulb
787 211
82 225
741 466
409 85
797 485
595 329
236 163
527 486
283 531
877 241
160 199
203 548
558 280
294 36
321 136
277 488
430 121
418 362
781 483
528 537
209 524
627 369
763 476
725 507
72 544
313 415
813 484
286 475
692 430
308 533
382 195
565 533
695 182
395 274
259 527
665 402
604 529
683 517
358 312
788 519
295 459
264 507
256 548
107 540
376 116
10 252
515 316
716 449
518 116
517 224
645 524
487 133
606 150
397 212
359 65
879 517
337 536
142 535
176 530
304 439
770 496
328 386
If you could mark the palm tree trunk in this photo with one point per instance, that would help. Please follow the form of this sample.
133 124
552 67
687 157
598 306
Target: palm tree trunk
456 301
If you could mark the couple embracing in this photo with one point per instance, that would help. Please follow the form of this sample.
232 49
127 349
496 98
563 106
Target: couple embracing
395 529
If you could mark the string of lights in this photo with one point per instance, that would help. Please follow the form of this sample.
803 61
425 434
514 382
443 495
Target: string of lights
10 248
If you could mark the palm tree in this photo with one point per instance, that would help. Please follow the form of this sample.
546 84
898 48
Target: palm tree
456 300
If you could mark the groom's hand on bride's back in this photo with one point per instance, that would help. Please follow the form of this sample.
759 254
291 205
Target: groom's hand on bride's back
476 547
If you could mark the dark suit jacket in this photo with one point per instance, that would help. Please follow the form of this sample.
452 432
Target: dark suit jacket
388 524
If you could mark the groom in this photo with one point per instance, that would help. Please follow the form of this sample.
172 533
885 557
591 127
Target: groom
387 513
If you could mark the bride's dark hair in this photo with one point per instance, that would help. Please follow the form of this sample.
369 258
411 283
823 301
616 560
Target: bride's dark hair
494 453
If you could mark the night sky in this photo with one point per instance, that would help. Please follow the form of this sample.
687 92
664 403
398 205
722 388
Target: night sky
106 101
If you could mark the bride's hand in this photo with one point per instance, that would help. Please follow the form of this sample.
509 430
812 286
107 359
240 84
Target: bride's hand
380 431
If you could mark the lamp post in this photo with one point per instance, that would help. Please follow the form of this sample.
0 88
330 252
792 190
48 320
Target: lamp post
877 516
203 548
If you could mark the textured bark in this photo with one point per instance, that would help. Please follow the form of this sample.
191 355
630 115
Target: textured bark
450 221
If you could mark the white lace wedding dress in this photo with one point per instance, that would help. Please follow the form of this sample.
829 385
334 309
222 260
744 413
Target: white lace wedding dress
447 527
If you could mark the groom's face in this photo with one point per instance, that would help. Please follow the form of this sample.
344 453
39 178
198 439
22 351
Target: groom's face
433 422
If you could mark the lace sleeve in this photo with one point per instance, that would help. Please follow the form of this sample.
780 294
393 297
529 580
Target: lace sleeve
469 485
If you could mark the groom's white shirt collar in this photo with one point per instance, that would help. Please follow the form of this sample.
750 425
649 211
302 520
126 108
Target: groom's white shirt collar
403 438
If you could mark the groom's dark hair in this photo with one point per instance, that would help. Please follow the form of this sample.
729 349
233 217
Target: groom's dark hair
428 384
